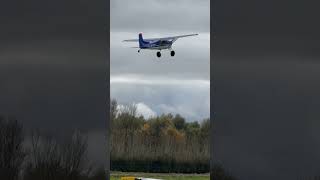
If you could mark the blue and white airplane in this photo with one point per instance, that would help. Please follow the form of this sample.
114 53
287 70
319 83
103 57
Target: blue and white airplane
157 43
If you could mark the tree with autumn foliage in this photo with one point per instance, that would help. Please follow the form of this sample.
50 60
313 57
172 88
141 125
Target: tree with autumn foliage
165 143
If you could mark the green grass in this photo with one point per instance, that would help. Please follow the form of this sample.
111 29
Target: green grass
116 176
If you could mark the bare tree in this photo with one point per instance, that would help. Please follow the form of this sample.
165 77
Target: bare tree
11 150
45 158
113 109
52 160
126 122
74 157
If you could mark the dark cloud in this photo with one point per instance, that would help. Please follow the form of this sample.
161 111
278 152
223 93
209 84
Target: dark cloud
53 69
156 16
38 19
265 72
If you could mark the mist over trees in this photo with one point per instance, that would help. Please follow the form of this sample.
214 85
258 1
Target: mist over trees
165 143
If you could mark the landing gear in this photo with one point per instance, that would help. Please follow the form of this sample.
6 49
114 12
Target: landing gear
138 50
158 54
172 53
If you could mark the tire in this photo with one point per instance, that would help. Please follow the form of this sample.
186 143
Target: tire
158 54
172 53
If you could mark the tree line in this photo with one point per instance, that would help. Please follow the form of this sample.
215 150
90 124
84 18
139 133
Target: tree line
165 143
40 156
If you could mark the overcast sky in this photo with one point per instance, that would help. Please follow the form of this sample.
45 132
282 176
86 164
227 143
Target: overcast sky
179 84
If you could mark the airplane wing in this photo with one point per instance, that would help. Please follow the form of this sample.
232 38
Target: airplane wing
172 38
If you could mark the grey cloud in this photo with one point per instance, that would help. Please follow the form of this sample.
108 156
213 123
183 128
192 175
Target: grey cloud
265 73
155 15
54 97
57 53
38 19
265 116
190 101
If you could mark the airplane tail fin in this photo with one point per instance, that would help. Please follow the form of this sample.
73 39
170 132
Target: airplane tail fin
141 41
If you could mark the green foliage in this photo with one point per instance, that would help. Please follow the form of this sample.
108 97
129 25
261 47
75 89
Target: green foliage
179 122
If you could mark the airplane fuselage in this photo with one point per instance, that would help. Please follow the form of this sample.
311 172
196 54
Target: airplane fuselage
155 44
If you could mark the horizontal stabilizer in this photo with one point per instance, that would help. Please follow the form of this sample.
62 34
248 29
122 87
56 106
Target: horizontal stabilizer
131 40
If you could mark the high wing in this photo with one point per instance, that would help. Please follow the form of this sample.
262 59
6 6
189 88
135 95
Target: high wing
172 38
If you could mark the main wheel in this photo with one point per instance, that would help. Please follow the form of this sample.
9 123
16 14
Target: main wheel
158 54
172 53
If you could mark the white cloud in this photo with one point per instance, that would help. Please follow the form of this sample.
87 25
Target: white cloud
137 80
145 111
142 109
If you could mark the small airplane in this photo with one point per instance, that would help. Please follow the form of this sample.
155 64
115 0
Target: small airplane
157 43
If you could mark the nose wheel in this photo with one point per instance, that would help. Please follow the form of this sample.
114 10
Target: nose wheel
158 54
172 53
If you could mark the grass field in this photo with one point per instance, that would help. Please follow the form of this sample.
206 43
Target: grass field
116 176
